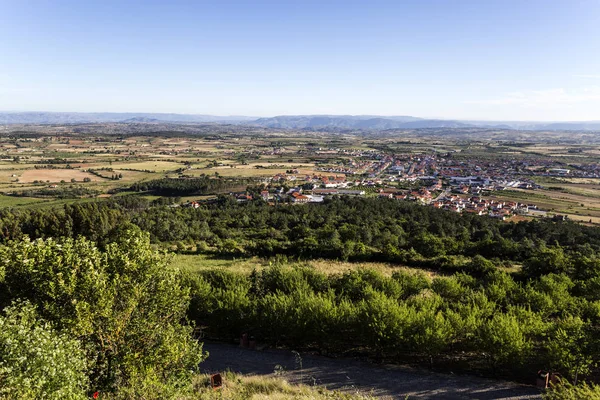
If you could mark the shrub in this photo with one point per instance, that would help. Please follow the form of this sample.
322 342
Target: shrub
124 303
36 361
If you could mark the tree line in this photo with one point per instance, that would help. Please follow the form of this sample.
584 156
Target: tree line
341 228
187 186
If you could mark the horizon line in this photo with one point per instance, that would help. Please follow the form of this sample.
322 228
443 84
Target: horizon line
298 115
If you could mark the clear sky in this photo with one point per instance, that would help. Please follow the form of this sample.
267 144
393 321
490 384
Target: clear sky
479 59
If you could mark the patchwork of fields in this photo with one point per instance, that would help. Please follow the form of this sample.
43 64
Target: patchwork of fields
107 164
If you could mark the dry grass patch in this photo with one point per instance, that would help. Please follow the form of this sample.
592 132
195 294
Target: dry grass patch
157 166
266 388
203 262
332 267
55 175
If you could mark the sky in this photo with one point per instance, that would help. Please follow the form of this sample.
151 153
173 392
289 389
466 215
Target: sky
481 60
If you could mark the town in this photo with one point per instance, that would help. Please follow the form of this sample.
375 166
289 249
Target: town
436 180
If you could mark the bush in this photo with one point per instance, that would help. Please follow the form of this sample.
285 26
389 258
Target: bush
36 361
566 391
124 303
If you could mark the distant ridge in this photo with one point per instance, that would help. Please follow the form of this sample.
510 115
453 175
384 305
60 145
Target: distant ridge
305 122
79 118
333 121
355 122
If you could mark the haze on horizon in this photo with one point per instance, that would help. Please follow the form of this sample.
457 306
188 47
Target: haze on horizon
494 60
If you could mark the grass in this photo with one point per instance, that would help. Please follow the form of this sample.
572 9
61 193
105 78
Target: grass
203 262
55 175
268 388
555 201
30 202
10 201
234 387
157 166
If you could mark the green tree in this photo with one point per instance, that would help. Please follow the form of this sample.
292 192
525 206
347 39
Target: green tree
567 391
569 348
433 333
36 361
546 260
123 303
504 341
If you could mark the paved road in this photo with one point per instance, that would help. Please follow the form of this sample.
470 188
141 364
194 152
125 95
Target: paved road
444 193
391 382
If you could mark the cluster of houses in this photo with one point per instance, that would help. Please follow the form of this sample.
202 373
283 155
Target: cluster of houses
447 201
477 205
422 195
477 184
298 195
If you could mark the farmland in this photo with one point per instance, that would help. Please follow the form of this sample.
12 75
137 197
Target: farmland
102 166
444 252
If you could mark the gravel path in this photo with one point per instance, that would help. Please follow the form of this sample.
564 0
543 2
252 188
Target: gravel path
387 381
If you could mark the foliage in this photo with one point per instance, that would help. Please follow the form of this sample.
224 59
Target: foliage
567 391
187 186
118 297
36 361
569 348
123 303
408 316
61 192
355 229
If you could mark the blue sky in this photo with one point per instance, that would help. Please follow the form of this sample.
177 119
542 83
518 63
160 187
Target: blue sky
483 59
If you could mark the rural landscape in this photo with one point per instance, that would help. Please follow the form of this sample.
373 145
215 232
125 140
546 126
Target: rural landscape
450 250
299 200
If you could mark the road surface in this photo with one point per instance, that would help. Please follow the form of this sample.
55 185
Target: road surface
354 376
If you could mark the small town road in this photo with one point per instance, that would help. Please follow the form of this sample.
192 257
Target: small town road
355 376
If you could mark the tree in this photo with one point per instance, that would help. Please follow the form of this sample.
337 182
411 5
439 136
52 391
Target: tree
433 333
569 348
567 391
547 260
123 303
504 340
36 361
480 266
385 323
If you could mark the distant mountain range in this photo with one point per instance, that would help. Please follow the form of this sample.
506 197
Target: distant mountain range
353 122
308 122
81 118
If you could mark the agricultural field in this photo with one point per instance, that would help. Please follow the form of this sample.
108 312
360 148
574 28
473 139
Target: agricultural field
55 175
103 166
394 263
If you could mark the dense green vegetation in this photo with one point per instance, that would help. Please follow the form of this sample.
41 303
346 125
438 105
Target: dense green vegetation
188 186
60 192
36 361
490 322
79 319
507 298
343 228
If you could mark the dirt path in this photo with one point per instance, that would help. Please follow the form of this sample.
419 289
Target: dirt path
395 382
